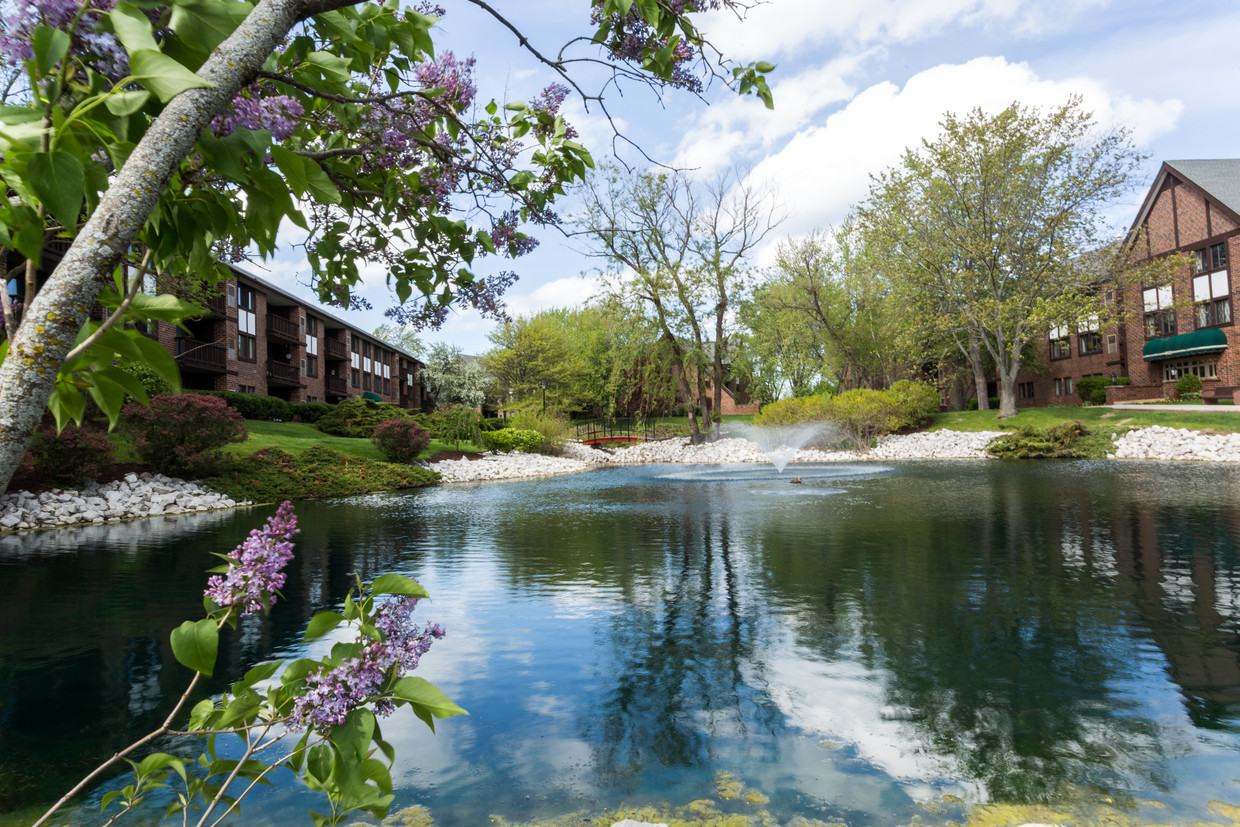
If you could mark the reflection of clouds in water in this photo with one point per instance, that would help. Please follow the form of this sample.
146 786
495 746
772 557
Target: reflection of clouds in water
129 535
754 472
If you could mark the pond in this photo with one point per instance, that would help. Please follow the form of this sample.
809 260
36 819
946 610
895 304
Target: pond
867 647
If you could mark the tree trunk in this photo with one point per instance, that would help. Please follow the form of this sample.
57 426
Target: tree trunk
1007 388
974 354
50 323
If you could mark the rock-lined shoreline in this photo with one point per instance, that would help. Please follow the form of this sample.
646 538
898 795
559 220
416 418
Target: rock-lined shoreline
134 496
149 495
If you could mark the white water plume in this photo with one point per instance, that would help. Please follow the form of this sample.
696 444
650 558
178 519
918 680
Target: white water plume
781 443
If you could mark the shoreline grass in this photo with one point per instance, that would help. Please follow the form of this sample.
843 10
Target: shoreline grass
1094 417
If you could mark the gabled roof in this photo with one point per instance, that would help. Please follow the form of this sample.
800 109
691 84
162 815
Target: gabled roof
1218 182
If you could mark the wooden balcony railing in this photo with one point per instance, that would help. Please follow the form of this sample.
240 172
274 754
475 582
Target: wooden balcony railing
336 386
281 374
194 355
335 349
279 327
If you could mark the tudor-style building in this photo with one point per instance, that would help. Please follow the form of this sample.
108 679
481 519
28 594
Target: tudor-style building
1193 208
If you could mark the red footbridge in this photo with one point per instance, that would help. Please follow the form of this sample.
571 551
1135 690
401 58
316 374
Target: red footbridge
607 431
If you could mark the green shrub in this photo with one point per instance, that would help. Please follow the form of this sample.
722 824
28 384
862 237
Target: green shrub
1092 390
1064 440
863 415
182 434
554 428
310 411
71 457
1188 386
256 405
358 417
1124 380
494 423
993 400
915 403
401 440
272 475
792 411
513 439
457 424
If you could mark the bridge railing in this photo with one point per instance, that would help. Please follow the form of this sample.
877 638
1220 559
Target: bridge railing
601 429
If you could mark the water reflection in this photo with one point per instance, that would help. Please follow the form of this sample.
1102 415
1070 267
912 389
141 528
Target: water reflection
876 636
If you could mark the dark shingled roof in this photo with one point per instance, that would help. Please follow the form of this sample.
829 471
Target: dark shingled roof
1220 179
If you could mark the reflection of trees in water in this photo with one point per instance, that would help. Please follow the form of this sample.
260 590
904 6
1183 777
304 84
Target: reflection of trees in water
85 662
687 672
994 654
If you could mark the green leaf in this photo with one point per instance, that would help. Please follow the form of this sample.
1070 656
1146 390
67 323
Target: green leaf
332 67
319 184
163 75
132 29
123 104
195 645
158 359
50 47
164 308
397 584
66 403
108 394
205 25
157 761
321 624
58 180
258 673
764 67
427 700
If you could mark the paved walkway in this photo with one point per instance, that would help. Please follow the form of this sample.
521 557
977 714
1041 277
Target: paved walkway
1221 409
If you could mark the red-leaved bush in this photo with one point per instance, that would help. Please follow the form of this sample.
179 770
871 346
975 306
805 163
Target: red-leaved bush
181 434
400 440
72 456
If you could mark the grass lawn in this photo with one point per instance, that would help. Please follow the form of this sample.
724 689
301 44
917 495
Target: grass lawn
298 436
1094 417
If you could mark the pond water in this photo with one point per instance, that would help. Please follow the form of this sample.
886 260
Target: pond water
875 638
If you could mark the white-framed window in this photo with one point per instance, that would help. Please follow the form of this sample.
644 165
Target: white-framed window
387 371
247 305
354 360
1159 315
366 364
1112 343
1061 347
312 336
1212 298
1203 368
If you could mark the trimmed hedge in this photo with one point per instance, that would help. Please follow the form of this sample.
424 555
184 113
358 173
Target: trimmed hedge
310 411
255 405
1093 390
272 475
512 439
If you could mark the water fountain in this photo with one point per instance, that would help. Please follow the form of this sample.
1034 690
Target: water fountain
780 443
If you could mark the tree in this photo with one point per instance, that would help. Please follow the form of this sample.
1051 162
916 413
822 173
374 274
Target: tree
531 356
992 227
191 131
452 378
401 337
679 248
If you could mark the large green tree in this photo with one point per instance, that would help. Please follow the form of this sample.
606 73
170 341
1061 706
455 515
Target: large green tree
195 129
990 227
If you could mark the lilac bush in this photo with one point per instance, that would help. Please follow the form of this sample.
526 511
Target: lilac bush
255 569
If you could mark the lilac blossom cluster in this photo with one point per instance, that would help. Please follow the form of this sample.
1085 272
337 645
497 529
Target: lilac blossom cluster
633 39
505 237
331 694
255 568
278 114
19 20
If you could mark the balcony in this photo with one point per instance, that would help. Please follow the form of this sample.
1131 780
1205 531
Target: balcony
336 386
279 373
335 349
216 306
282 329
203 358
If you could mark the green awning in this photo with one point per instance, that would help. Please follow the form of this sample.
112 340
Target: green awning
1189 344
373 397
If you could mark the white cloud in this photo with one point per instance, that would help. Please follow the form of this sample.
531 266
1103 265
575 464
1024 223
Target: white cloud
825 169
794 26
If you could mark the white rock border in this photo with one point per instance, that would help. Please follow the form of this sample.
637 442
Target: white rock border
133 497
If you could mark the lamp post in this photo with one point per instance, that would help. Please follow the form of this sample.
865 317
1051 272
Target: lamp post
543 385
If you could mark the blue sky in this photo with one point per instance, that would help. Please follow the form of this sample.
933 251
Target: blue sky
856 82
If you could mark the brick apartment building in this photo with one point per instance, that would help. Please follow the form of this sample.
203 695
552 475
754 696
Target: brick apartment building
1192 208
256 338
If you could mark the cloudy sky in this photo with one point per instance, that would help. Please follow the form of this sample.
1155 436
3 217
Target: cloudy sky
856 82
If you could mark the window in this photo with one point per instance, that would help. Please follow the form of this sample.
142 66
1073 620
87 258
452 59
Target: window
303 367
246 318
1090 343
1212 298
365 381
1025 390
312 366
247 348
1059 387
1159 317
1203 368
1112 343
354 377
312 336
1218 256
1061 348
387 387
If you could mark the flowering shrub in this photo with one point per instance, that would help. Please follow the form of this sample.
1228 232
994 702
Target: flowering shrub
72 456
182 433
401 440
513 439
333 701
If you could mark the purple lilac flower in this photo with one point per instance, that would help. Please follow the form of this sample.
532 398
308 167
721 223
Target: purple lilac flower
276 113
331 694
23 16
255 568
